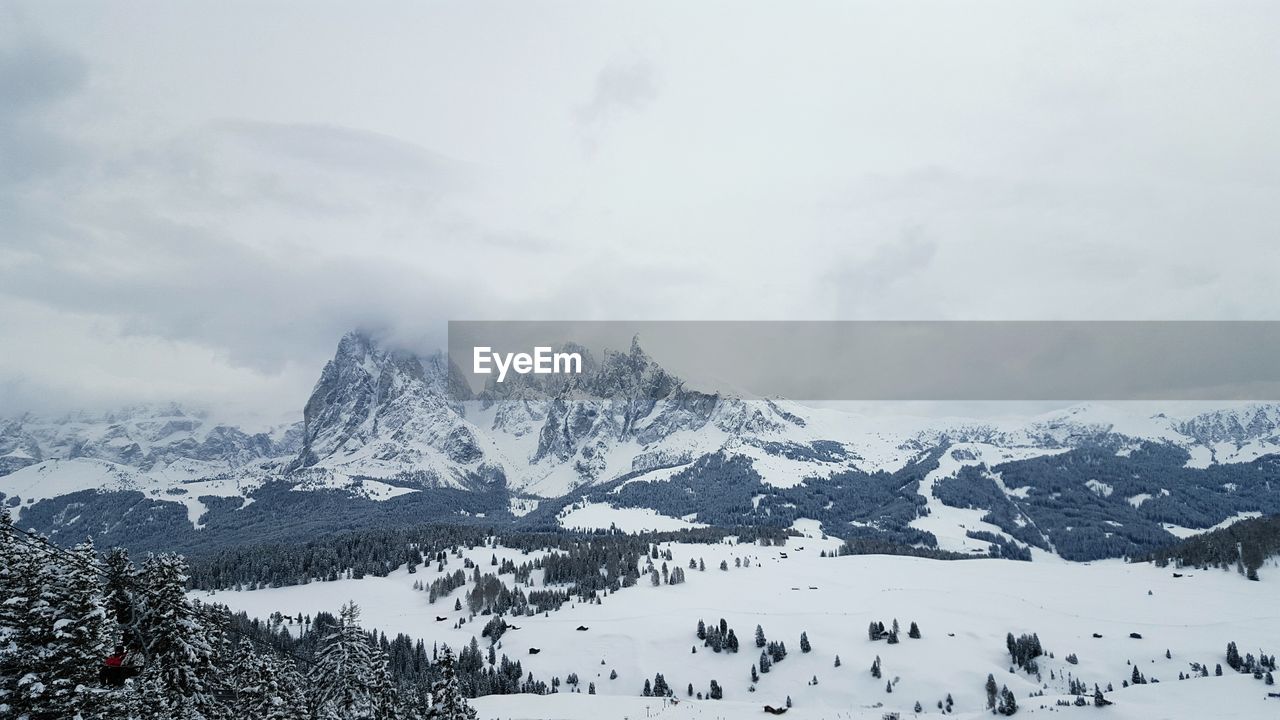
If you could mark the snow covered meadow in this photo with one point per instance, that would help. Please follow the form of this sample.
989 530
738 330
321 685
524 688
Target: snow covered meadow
964 609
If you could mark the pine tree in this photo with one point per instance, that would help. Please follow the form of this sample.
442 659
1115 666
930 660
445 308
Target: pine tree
387 704
1008 704
760 640
875 668
914 631
13 560
1098 699
345 667
993 691
660 688
262 687
447 702
837 661
26 611
121 576
804 642
178 649
56 631
79 632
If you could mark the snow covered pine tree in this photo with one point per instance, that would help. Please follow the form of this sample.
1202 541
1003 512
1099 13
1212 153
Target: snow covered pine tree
447 702
349 679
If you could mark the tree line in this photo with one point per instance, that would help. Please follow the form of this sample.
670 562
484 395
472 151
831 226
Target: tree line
67 611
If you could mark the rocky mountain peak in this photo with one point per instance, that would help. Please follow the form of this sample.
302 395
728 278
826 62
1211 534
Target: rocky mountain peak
633 374
387 403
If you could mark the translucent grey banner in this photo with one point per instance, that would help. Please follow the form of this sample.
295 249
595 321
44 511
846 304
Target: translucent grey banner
883 361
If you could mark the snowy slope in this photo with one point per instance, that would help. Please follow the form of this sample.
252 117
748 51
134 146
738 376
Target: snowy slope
1231 698
176 483
948 523
964 609
602 516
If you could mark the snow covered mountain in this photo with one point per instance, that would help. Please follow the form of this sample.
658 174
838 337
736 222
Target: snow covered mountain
395 428
145 438
391 415
166 453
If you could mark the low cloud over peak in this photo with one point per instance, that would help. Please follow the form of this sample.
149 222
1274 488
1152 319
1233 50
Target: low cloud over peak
195 207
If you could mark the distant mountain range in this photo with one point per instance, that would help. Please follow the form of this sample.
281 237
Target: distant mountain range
392 436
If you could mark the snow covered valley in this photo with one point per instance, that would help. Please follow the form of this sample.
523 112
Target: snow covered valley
964 610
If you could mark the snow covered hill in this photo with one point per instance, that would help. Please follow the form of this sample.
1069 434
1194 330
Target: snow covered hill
1083 614
389 426
168 454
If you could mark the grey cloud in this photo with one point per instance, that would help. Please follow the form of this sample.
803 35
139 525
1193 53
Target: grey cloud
238 198
233 164
34 73
198 283
34 77
874 287
620 87
340 148
262 241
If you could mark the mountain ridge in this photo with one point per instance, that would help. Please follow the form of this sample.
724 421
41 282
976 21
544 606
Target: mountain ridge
383 423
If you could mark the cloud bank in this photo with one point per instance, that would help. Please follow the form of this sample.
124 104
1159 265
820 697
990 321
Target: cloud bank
197 200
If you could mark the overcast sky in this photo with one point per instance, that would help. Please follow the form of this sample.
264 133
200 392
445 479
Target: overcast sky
198 199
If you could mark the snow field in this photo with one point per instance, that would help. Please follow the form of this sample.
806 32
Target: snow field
964 609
